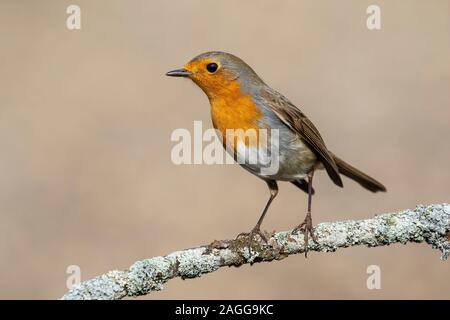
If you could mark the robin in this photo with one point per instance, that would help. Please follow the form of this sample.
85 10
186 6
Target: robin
240 100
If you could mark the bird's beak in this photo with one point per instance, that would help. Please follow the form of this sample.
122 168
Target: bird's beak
179 73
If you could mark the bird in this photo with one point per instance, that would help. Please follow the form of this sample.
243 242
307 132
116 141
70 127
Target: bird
241 100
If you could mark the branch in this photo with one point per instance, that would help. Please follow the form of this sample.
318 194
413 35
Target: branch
430 224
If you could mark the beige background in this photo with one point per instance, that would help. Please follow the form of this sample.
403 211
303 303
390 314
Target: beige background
86 118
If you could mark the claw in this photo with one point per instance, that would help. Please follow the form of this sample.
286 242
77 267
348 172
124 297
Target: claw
251 236
307 229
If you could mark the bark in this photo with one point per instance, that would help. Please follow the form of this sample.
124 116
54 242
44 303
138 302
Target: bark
430 224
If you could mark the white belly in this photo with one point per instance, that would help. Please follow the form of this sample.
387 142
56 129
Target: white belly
286 159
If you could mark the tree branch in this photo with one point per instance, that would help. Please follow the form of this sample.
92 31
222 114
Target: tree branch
430 224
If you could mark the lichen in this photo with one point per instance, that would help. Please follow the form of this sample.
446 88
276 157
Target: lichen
193 263
148 275
424 223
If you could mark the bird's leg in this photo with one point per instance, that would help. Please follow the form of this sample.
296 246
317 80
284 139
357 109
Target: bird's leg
306 226
273 187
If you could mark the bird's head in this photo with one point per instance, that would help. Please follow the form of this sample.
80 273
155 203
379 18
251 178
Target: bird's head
218 73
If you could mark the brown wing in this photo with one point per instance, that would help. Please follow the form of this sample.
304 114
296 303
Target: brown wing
298 122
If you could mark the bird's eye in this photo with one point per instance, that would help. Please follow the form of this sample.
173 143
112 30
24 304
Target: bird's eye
212 67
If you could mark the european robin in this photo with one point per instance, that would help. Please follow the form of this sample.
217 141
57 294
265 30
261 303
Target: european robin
240 100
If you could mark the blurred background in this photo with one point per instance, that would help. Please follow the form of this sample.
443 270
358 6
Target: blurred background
86 117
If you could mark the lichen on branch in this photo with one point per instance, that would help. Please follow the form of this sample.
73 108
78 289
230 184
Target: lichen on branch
430 224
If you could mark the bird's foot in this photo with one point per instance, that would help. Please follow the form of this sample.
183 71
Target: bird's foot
306 227
256 231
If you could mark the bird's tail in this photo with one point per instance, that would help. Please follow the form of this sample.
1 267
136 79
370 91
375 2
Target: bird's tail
360 177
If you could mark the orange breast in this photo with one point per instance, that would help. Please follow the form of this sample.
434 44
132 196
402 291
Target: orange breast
230 109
